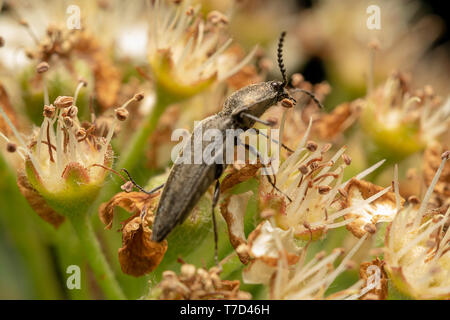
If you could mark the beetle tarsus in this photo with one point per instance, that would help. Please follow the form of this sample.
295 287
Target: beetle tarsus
139 187
216 236
256 119
274 140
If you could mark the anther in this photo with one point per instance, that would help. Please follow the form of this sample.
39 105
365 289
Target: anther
413 200
83 82
347 159
127 186
72 111
190 12
138 96
68 122
370 227
121 114
81 133
287 103
42 67
303 169
217 18
11 147
445 155
2 41
311 146
63 102
324 189
49 111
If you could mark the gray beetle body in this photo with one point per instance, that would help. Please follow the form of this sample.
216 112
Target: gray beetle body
187 183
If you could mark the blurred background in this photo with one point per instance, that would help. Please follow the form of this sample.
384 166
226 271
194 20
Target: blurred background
327 42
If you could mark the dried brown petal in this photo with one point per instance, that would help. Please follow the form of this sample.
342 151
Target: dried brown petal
63 102
38 203
247 172
130 201
365 218
233 211
370 272
138 254
42 67
331 125
246 76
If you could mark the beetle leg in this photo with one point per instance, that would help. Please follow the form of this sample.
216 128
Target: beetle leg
139 187
258 154
256 119
274 140
216 236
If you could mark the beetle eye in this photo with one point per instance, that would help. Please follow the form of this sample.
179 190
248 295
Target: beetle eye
277 85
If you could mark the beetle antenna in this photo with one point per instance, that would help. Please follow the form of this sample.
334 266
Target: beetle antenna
280 58
310 94
138 186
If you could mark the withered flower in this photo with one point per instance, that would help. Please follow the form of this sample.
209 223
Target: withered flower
267 245
417 248
233 209
280 263
374 271
311 187
138 254
368 214
197 284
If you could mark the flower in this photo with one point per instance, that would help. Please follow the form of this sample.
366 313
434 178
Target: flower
186 53
366 215
310 189
417 248
280 263
266 246
65 160
401 122
197 284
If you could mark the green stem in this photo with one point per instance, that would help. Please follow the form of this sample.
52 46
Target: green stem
135 150
96 258
17 218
